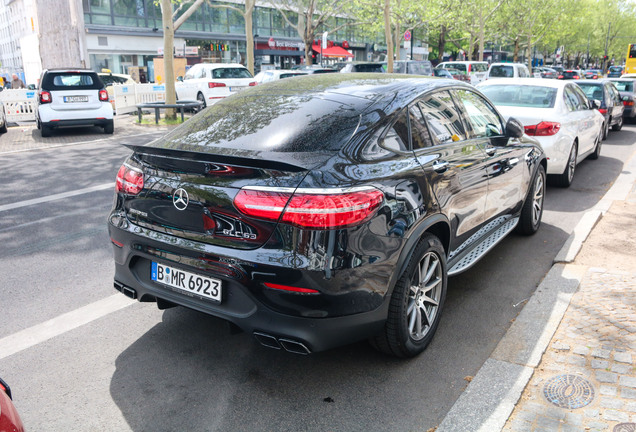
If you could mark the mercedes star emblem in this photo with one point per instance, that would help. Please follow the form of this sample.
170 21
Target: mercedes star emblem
180 199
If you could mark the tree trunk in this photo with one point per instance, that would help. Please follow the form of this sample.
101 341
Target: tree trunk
515 54
441 44
529 54
471 47
396 40
308 37
387 35
249 36
482 25
168 57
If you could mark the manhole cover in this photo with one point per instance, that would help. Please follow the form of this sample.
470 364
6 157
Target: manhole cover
568 391
625 427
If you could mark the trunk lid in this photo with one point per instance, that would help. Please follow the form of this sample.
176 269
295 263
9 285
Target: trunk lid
190 195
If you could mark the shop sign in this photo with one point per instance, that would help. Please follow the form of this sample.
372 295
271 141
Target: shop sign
219 47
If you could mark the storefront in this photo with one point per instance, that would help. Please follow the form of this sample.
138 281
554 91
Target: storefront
273 53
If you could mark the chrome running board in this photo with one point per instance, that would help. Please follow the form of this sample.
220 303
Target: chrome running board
481 249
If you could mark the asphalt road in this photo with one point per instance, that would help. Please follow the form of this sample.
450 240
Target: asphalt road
81 357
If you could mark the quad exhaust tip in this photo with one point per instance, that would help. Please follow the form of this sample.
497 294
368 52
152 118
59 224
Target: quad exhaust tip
128 292
288 345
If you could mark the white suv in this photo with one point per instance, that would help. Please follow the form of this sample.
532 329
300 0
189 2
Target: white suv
211 82
508 70
72 97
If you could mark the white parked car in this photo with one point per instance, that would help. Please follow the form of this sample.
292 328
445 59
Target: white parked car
211 82
557 113
276 74
508 70
72 97
475 70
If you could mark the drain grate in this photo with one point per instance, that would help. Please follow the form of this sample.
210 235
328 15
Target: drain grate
625 427
568 391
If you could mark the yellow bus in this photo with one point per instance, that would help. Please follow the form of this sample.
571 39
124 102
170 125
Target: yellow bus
630 61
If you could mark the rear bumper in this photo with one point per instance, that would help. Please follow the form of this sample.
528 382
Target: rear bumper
352 304
77 122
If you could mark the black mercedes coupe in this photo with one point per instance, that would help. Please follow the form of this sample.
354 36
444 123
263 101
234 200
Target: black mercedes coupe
326 209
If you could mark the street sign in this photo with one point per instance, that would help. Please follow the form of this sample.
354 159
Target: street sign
324 40
407 35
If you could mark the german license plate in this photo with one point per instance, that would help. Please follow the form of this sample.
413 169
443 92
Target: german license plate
187 282
235 88
73 99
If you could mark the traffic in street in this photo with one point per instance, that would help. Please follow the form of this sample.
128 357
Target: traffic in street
81 356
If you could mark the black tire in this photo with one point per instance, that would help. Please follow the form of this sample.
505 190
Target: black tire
619 124
109 128
3 128
605 130
597 149
532 211
45 131
565 179
201 98
403 336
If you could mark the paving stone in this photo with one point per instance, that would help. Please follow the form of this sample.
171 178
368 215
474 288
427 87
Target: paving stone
573 419
628 393
630 406
518 425
606 377
598 426
628 381
615 416
581 350
611 403
576 360
560 346
621 368
592 413
599 364
607 390
548 423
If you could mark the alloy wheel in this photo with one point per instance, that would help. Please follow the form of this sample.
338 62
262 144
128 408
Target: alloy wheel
424 296
537 199
571 164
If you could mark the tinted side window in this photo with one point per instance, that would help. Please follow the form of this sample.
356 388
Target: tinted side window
420 138
397 136
442 118
481 116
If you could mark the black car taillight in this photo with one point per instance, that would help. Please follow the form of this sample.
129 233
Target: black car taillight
310 208
45 97
103 96
129 180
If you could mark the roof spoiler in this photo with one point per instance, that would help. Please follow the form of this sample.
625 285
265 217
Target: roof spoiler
217 158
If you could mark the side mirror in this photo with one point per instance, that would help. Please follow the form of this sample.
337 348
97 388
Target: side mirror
180 78
514 128
595 104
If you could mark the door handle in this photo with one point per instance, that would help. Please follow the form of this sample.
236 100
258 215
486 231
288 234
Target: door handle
490 150
440 166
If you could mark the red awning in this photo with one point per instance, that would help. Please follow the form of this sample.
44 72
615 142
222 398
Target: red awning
334 51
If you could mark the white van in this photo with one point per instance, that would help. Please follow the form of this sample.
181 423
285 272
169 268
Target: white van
475 70
508 70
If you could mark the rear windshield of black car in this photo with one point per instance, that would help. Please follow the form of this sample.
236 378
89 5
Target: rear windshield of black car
369 68
570 74
72 81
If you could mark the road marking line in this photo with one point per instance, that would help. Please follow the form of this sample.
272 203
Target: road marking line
39 333
55 197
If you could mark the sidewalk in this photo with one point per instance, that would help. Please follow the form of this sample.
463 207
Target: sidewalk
568 362
26 136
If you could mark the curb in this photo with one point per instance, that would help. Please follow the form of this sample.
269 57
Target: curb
491 396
